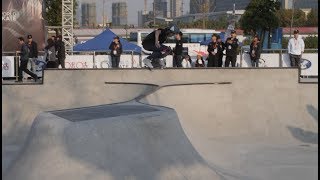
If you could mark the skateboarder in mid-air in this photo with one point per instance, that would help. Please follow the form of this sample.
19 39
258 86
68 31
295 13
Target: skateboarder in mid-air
154 42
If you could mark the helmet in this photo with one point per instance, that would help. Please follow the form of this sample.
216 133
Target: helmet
174 29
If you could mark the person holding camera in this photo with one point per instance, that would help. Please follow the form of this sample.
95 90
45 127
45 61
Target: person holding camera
231 44
116 51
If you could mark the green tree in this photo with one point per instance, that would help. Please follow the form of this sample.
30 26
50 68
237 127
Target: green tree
312 18
53 12
260 15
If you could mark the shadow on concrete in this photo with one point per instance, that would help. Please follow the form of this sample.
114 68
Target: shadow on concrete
304 135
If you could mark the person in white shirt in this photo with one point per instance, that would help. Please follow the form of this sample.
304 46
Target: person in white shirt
295 49
186 62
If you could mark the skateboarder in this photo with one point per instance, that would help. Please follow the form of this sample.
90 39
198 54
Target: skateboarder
154 42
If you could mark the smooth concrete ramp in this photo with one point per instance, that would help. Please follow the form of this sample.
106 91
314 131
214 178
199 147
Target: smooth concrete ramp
262 125
138 145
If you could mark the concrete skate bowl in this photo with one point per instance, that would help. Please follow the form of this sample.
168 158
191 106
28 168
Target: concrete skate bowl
248 128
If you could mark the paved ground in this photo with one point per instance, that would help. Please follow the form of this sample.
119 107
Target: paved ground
262 124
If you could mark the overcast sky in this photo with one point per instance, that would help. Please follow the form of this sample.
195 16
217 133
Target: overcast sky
133 7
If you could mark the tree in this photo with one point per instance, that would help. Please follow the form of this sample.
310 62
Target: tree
260 15
53 12
312 18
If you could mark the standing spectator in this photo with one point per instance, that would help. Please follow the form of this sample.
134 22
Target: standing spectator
255 51
24 57
116 51
295 48
220 51
213 52
61 52
231 45
51 54
33 53
177 57
199 61
186 61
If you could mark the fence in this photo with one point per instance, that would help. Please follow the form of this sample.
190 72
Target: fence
101 59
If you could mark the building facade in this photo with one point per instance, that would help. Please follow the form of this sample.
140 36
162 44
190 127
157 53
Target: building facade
299 4
176 8
227 5
88 15
161 8
119 14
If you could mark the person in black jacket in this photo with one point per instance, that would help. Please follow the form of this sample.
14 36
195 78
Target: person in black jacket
255 51
33 53
24 58
177 57
116 51
231 45
61 51
213 50
220 51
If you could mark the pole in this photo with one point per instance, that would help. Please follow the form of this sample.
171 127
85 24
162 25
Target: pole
291 24
154 14
103 21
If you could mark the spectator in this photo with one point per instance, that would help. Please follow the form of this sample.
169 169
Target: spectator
255 51
61 52
199 61
51 54
295 48
186 62
177 57
24 57
213 52
220 51
33 53
116 51
53 38
231 45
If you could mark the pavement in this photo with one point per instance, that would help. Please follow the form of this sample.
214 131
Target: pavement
244 124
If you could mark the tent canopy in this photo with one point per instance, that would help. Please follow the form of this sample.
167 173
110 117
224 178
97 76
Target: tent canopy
102 41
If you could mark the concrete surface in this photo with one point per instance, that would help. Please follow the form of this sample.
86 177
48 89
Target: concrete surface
262 125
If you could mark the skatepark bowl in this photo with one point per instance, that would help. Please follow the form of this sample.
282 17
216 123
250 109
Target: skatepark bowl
136 124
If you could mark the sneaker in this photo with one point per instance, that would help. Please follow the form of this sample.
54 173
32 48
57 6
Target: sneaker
147 62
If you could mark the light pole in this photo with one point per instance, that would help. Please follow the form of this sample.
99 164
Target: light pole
103 20
291 24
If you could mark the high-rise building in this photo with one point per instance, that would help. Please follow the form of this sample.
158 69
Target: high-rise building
175 8
144 18
88 12
119 14
202 6
160 8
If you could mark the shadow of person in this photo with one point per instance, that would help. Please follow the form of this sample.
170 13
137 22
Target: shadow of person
304 135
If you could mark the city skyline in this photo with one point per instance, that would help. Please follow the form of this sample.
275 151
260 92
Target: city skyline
133 7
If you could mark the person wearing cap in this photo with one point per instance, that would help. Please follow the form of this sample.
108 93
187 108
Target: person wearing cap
60 51
33 53
116 51
24 58
231 46
295 48
154 42
178 50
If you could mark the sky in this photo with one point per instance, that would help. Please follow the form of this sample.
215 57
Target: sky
133 7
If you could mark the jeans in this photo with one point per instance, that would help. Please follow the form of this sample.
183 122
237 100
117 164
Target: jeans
294 60
177 61
233 60
23 68
62 62
115 61
254 62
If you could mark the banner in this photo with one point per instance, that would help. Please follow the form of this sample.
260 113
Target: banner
268 60
20 18
79 62
7 66
168 59
126 61
309 64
